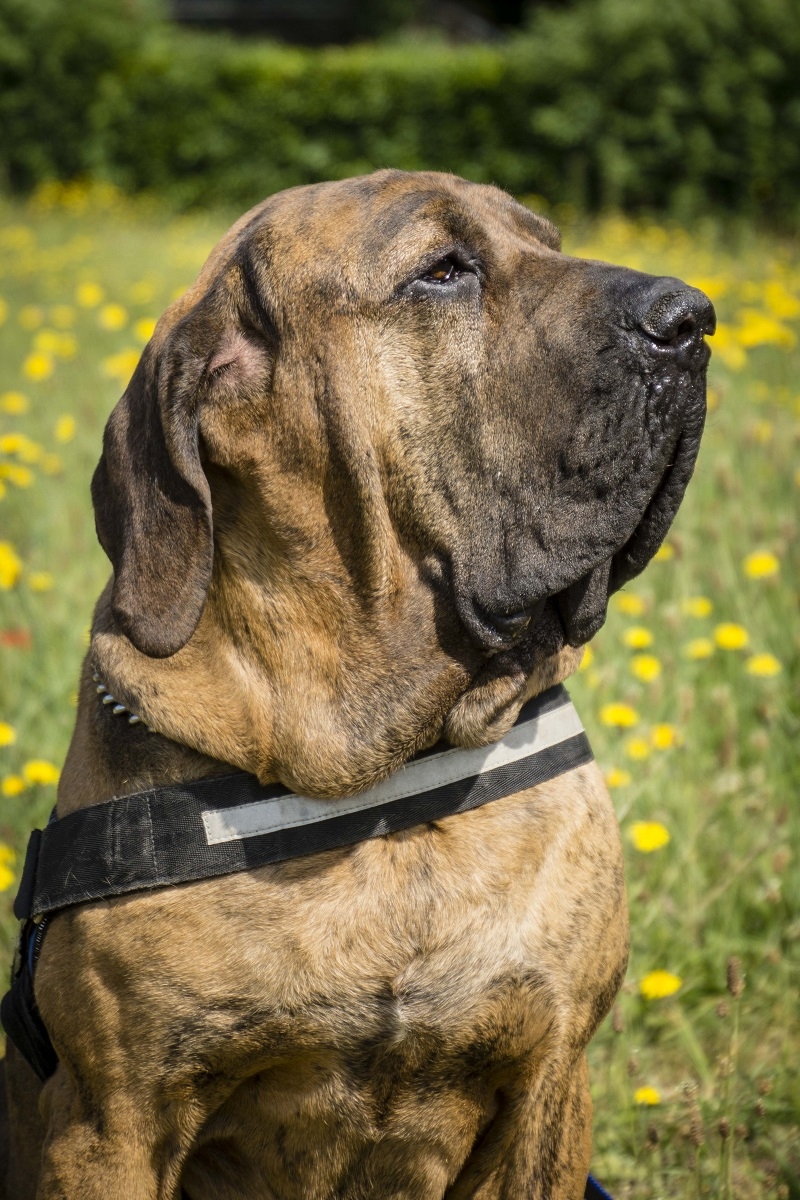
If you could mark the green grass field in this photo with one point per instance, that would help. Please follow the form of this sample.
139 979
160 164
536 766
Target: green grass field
689 693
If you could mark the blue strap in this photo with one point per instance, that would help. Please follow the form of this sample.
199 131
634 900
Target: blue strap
595 1191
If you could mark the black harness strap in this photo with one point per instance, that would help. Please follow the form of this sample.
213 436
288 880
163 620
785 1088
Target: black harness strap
18 1012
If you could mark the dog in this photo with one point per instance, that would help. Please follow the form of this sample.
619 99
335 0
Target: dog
370 486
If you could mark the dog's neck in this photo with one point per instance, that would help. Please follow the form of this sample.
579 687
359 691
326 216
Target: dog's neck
321 720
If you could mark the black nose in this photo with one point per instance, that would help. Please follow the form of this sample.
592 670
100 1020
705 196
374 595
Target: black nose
674 316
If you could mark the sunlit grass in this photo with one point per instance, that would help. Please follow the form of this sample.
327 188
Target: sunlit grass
690 692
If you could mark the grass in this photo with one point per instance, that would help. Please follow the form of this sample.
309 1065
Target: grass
696 1091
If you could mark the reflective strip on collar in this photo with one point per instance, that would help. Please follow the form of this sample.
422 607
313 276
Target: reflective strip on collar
420 775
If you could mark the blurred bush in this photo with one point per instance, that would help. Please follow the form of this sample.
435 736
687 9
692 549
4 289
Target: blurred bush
671 105
55 57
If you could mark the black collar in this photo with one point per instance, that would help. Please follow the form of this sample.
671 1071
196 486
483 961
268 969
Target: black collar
229 823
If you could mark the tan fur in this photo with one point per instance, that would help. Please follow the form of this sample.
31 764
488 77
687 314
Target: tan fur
407 1017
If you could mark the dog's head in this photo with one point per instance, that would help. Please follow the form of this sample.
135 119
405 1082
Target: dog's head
395 378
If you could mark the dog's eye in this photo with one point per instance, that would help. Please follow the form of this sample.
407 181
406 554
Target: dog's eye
446 270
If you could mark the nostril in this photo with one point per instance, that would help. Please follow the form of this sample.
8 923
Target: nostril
676 316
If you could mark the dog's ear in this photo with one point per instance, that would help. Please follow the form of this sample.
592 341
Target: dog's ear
153 505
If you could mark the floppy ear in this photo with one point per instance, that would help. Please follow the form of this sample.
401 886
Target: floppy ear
153 505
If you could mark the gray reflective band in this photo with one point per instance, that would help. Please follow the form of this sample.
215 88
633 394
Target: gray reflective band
426 774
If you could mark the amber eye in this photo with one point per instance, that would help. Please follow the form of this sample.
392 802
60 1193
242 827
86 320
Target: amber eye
444 271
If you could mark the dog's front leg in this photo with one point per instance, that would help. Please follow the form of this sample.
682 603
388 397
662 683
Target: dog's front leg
119 1148
538 1146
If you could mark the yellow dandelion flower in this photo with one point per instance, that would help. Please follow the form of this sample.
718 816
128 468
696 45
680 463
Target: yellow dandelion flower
39 771
620 715
145 328
121 366
759 329
37 366
41 581
89 295
12 785
20 445
29 451
31 317
112 317
714 287
699 648
64 429
51 464
637 637
617 777
47 341
3 489
8 734
760 564
14 403
659 984
588 658
730 636
780 302
648 836
3 311
761 432
637 748
763 664
664 737
648 1096
21 477
728 349
664 553
697 606
6 877
645 667
629 603
10 570
63 316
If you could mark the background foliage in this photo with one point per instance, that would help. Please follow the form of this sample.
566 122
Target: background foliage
660 104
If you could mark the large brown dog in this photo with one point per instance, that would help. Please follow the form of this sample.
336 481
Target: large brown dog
370 485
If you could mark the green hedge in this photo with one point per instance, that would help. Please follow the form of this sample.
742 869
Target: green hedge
672 105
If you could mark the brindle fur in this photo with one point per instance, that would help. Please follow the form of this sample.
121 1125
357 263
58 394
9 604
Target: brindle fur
407 1017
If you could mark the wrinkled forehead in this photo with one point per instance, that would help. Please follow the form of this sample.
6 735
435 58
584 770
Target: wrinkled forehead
350 239
391 218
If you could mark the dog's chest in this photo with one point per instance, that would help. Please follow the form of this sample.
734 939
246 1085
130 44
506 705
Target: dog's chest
389 958
428 947
406 984
377 998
